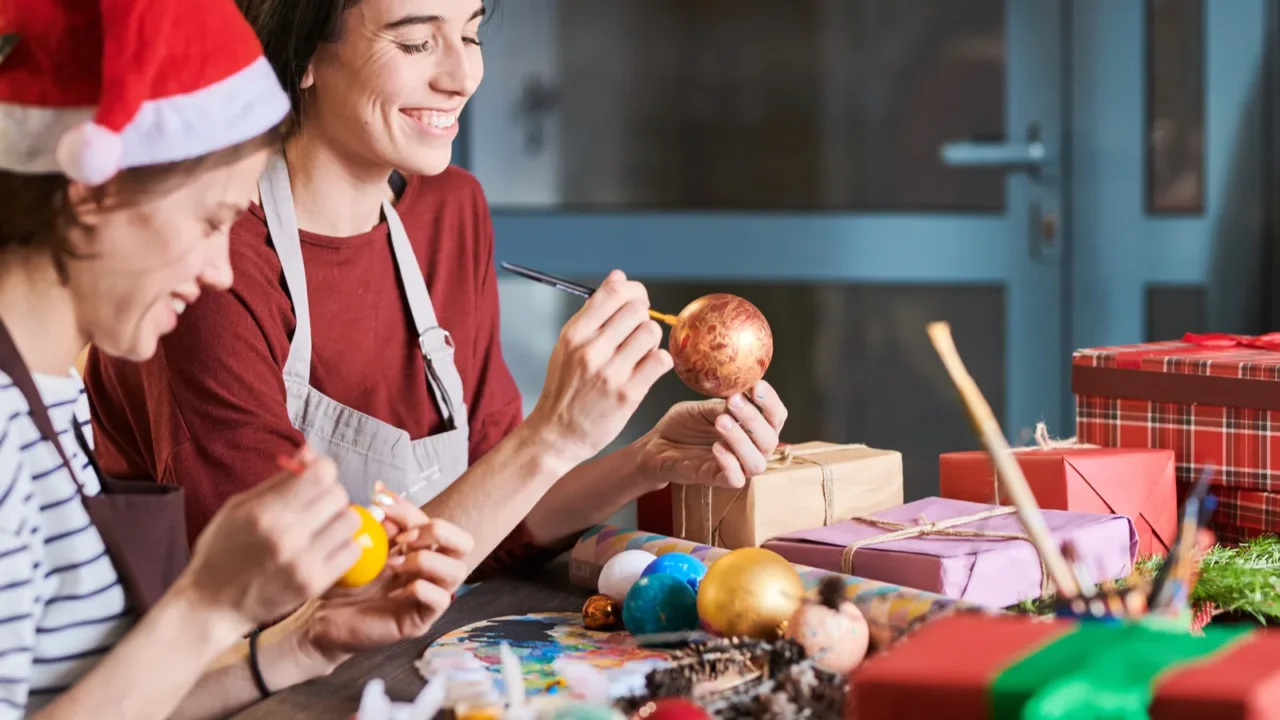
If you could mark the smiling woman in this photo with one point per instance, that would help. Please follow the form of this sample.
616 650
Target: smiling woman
364 318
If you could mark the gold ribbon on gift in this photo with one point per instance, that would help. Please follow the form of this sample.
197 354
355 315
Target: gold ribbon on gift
780 458
1043 442
942 528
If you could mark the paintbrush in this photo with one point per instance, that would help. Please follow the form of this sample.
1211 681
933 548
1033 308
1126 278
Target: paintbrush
1008 473
1175 572
573 288
7 42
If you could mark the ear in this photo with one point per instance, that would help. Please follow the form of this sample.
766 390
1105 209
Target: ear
85 203
308 78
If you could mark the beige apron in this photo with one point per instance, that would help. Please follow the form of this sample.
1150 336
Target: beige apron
366 449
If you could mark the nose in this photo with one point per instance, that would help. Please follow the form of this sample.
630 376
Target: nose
216 272
457 71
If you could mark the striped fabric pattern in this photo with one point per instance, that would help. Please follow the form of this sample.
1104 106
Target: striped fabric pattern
62 606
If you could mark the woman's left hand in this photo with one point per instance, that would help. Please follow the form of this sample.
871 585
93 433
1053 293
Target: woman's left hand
715 442
416 587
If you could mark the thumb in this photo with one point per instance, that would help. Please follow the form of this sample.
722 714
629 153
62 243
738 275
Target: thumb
616 276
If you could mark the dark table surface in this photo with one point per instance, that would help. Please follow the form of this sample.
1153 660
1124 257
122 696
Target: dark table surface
338 695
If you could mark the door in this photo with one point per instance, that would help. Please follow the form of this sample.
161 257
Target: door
857 168
1168 184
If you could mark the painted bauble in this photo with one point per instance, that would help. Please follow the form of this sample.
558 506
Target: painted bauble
671 709
621 571
721 345
601 612
659 604
832 631
680 565
750 592
372 539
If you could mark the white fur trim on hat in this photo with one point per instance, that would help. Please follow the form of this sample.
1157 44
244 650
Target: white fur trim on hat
90 153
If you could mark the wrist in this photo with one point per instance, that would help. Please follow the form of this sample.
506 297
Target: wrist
638 467
215 624
290 652
548 453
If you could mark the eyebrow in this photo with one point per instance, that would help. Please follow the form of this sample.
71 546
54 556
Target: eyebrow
408 20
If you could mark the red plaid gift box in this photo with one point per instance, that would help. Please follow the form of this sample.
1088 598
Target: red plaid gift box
1212 399
1243 514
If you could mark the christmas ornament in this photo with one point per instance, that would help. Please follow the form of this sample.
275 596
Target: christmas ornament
372 539
671 709
679 565
832 630
601 612
749 591
659 604
721 345
620 573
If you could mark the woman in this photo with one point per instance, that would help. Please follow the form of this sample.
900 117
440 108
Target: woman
112 219
365 318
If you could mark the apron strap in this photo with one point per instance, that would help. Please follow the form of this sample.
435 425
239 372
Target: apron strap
282 223
435 342
15 367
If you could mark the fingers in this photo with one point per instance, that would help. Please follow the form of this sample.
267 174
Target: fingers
644 339
731 474
400 513
432 600
614 293
654 365
443 570
735 439
441 536
766 398
753 423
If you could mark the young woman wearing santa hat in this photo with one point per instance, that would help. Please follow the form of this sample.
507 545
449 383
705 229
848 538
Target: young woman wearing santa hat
131 137
364 318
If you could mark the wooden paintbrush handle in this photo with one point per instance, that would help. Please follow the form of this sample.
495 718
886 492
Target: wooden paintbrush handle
1007 469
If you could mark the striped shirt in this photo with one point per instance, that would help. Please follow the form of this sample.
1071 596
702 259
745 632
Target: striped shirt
61 603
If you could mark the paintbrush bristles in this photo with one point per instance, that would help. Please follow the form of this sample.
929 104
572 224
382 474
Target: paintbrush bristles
1008 472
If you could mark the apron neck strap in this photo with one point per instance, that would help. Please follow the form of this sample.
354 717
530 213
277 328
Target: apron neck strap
15 367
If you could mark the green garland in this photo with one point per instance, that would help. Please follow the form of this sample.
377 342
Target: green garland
1242 580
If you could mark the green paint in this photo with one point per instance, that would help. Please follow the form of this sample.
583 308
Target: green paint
1102 671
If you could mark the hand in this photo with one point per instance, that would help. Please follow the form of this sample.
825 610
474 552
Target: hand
425 569
602 367
270 549
715 442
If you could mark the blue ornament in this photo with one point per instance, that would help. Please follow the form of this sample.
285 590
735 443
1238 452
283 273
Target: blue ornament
679 565
660 603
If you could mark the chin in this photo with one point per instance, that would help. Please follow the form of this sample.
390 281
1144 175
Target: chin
432 161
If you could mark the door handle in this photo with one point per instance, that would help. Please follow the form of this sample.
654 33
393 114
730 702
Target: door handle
1007 156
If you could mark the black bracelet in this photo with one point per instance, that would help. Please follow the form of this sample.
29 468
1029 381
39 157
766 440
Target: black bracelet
254 669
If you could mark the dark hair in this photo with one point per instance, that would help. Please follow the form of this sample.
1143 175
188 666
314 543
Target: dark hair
36 212
292 30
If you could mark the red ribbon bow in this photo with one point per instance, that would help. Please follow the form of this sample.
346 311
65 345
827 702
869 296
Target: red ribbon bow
1269 341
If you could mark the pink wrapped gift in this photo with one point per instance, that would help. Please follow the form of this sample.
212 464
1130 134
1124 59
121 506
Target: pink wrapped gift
969 551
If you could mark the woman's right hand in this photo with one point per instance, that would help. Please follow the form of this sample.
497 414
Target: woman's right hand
272 548
606 360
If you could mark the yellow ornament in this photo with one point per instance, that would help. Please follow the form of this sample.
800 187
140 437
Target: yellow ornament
749 592
372 539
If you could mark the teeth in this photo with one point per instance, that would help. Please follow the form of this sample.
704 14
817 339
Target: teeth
436 119
178 304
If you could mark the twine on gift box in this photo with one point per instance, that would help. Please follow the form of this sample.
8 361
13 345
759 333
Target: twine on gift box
942 528
1043 442
783 456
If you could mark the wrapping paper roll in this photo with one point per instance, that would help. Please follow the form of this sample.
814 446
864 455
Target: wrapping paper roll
891 611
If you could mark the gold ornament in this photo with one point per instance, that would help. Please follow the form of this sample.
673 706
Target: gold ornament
749 592
721 345
601 612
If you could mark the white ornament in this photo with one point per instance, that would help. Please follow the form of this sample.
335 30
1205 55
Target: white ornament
621 572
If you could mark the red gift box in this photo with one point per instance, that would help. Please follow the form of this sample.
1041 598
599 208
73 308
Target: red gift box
948 669
1212 399
1136 483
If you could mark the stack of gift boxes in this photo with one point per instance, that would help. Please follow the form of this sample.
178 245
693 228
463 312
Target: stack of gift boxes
1150 419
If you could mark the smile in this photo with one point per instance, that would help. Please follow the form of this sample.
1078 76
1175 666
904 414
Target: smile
433 118
178 305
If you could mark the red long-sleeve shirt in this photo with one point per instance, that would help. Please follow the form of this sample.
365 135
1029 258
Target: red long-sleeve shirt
208 412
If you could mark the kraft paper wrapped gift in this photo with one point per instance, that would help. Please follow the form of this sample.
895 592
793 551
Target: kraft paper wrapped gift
807 485
1135 482
974 552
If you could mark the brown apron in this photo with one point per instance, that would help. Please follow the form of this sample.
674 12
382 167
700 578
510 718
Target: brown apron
142 523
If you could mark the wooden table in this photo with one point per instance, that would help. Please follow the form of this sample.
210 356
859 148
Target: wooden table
338 695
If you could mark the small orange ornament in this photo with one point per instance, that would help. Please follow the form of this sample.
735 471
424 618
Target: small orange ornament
601 612
372 539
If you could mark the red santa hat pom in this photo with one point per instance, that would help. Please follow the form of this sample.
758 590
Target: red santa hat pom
90 153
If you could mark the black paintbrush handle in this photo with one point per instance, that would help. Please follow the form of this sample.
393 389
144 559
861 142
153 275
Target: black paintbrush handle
555 282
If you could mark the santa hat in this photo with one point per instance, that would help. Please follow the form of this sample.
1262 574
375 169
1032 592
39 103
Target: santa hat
91 87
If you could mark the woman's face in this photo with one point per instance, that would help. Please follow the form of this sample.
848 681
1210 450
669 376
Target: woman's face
143 260
388 93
